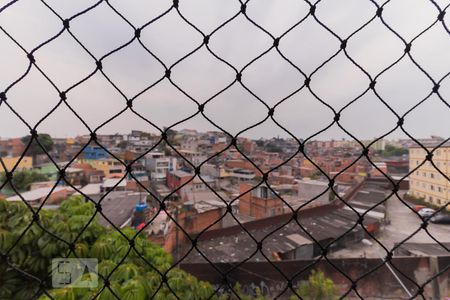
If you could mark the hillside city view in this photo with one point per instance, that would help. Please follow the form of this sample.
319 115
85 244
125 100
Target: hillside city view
224 150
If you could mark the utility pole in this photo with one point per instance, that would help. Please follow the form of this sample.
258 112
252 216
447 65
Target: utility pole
434 270
387 264
176 233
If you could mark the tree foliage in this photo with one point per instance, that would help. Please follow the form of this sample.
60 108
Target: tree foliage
136 273
393 151
23 179
318 287
45 140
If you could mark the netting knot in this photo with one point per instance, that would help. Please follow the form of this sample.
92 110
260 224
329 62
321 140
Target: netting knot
66 23
229 208
295 215
130 103
167 74
307 81
62 173
36 217
312 10
194 242
162 205
201 107
98 207
276 42
331 183
271 111
301 148
324 251
379 11
407 48
395 189
372 84
400 122
131 243
365 151
175 3
9 175
424 225
33 133
337 117
239 77
361 220
343 44
31 57
206 40
429 156
137 33
129 168
259 245
436 88
243 8
106 282
99 65
197 171
72 247
93 136
265 176
2 96
233 141
63 96
441 15
289 284
388 256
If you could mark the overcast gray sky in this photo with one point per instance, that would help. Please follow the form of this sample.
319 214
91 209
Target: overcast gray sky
201 75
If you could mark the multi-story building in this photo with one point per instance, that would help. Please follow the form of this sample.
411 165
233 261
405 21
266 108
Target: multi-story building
25 163
158 165
426 182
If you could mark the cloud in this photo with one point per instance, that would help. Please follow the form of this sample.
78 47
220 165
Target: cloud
201 75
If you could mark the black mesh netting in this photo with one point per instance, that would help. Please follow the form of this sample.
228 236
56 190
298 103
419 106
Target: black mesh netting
167 75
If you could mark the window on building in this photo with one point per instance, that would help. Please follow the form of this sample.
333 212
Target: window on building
431 175
431 187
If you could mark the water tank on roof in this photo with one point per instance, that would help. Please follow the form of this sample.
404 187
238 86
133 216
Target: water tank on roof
140 207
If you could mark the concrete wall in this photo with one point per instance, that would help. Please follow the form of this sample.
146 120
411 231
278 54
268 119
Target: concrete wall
374 282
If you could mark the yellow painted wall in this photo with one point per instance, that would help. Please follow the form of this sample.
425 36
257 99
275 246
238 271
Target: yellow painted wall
426 182
25 163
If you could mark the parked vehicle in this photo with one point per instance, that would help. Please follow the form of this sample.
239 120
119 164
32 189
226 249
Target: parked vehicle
426 212
441 218
418 207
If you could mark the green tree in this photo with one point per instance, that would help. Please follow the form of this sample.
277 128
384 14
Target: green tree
393 151
134 275
318 287
23 179
45 140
